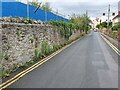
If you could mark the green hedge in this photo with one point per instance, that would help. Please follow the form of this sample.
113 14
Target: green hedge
116 27
64 27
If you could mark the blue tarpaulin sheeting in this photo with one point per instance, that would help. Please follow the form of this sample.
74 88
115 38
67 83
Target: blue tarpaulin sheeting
18 9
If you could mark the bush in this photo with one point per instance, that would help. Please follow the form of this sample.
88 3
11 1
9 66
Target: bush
65 28
15 66
23 65
114 35
46 48
116 27
27 20
56 47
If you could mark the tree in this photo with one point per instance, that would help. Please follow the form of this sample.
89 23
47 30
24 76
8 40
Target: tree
82 22
116 27
36 4
47 7
110 24
98 26
104 25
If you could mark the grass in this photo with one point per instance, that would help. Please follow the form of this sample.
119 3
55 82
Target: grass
36 53
5 73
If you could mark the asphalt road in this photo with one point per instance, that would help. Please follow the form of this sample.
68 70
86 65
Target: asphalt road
89 63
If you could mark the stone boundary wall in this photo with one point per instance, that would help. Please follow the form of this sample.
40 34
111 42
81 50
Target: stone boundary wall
21 42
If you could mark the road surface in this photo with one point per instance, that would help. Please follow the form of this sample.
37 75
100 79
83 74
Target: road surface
88 63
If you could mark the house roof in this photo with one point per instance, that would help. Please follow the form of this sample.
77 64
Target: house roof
116 16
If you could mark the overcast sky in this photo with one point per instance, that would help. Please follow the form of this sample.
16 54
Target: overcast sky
95 8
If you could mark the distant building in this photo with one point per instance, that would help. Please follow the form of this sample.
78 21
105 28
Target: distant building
116 19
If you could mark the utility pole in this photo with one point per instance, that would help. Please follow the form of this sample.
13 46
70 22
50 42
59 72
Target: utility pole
108 17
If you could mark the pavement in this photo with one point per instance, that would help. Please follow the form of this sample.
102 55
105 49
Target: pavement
113 41
88 63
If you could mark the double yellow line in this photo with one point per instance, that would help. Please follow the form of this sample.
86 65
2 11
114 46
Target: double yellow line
111 45
21 74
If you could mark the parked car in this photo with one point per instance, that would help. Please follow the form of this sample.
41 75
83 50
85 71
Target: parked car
95 30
